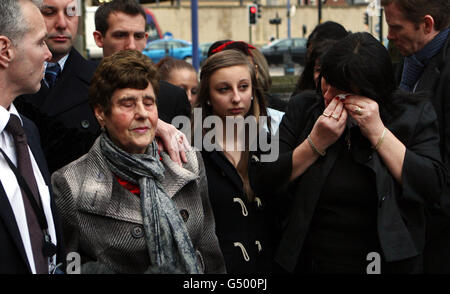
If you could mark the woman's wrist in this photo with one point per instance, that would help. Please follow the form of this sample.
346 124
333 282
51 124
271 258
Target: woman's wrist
380 139
315 148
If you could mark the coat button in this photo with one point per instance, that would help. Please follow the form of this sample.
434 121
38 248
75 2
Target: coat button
100 177
184 215
85 124
137 232
381 201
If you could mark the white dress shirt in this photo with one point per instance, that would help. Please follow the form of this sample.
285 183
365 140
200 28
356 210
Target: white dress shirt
12 188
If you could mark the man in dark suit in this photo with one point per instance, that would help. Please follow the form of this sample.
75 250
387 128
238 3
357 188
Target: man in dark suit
420 30
120 25
60 109
22 232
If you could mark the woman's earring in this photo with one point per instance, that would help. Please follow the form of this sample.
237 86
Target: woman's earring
208 103
251 98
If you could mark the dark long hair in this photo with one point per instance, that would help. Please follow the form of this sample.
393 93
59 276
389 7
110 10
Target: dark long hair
359 61
306 79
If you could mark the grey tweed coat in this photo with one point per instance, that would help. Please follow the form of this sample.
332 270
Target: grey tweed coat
102 221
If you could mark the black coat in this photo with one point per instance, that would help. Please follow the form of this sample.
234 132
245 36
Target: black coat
435 80
66 122
172 101
400 212
13 259
242 227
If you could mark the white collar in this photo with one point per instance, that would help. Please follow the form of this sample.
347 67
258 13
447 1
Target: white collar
5 114
62 62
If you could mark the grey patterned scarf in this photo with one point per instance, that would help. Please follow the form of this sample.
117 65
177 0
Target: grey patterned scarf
168 242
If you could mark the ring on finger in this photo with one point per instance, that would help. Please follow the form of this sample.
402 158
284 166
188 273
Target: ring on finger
179 138
326 114
358 110
335 116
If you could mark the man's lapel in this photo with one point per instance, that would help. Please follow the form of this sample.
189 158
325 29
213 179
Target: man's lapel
7 215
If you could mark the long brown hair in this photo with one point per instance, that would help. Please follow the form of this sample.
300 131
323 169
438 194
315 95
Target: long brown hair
228 58
218 61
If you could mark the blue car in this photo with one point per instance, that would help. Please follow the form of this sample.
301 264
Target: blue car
175 48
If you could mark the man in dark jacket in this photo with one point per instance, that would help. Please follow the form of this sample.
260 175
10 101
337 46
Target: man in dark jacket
22 35
120 25
60 109
420 31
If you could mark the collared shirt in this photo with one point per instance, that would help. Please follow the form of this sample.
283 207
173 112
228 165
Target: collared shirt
62 63
12 188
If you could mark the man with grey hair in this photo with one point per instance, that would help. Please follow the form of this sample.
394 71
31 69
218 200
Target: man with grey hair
420 30
28 227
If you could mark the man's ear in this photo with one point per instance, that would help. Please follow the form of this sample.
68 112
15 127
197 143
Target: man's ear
100 115
428 24
98 37
7 51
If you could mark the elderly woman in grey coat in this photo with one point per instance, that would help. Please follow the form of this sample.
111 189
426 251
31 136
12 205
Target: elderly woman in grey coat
127 208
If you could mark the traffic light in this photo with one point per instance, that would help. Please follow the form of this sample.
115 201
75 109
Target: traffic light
366 18
258 6
252 14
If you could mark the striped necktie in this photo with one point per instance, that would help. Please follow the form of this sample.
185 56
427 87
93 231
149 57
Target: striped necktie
51 73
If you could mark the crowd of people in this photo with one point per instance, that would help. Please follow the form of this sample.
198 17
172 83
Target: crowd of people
92 165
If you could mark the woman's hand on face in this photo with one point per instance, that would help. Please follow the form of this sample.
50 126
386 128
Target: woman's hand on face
366 113
330 125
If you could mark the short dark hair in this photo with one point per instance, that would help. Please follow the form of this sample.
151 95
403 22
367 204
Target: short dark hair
215 45
325 31
415 10
130 7
124 69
